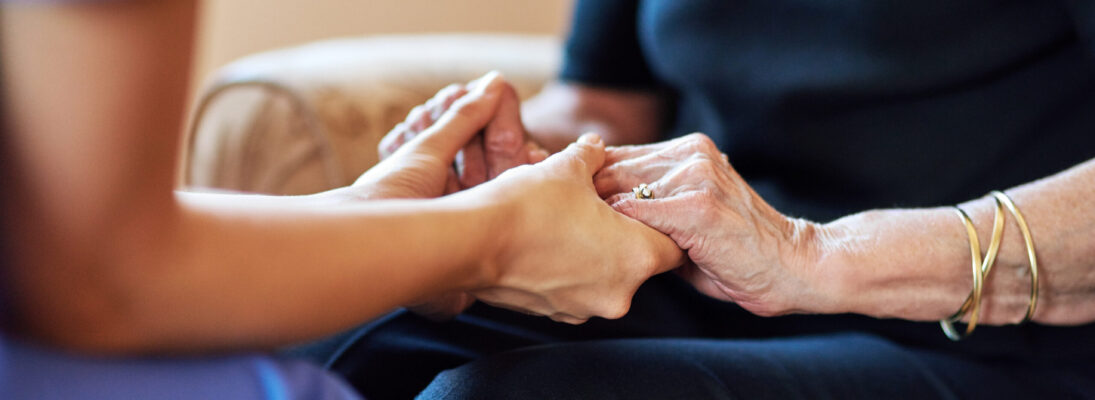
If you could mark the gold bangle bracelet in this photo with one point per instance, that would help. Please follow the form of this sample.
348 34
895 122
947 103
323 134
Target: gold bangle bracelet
994 243
1029 240
989 260
975 296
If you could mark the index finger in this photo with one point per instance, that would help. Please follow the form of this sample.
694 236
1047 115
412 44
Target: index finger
616 154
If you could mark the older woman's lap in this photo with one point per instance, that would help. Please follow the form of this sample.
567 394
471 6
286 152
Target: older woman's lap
678 343
839 366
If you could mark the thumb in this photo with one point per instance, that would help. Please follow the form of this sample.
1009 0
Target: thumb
587 155
463 120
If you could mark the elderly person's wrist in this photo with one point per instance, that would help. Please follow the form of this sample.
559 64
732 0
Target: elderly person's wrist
910 264
803 249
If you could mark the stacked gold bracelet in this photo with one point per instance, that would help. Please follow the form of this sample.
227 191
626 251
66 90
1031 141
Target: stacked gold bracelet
1029 241
981 267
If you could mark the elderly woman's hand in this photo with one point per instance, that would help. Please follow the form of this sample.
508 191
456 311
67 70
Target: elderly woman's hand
741 249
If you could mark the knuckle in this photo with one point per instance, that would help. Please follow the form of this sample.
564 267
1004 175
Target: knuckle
648 262
654 260
389 141
415 112
578 163
623 205
396 132
702 203
451 88
433 101
701 142
705 198
504 140
384 142
616 309
699 166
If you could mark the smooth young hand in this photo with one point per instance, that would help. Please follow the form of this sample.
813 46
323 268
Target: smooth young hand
502 144
408 170
563 252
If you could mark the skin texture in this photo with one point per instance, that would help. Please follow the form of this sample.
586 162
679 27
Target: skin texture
502 145
709 210
637 251
556 115
112 260
910 264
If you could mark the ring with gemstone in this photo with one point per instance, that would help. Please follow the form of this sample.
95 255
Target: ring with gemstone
643 192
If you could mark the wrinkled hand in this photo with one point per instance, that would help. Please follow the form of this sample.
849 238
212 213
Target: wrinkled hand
741 249
566 254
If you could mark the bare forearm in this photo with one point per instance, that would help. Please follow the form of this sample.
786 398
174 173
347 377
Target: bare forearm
915 264
251 271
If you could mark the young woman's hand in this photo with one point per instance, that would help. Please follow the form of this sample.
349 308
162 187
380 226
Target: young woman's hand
414 165
483 118
502 144
562 252
419 153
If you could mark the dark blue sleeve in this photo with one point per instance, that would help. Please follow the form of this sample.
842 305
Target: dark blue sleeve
603 46
1083 14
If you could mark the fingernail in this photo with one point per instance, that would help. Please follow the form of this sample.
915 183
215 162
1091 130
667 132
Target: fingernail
590 138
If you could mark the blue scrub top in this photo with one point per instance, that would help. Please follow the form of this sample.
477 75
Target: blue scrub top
29 372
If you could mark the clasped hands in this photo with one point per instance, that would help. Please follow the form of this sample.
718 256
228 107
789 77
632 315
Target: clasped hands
576 242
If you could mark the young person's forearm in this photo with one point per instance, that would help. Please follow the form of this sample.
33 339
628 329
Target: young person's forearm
267 271
915 264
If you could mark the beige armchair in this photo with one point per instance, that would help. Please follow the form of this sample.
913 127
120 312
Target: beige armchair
307 119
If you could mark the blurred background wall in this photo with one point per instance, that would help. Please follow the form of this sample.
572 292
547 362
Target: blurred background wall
233 28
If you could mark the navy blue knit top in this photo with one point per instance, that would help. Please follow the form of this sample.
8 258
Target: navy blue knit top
832 107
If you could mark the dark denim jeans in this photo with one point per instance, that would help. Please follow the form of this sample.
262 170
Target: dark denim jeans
677 343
